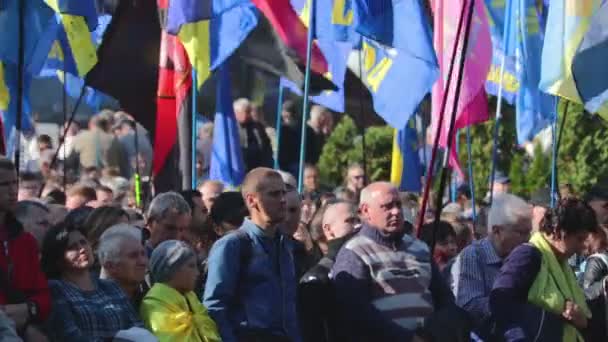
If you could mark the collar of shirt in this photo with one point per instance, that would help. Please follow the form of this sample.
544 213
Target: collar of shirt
488 253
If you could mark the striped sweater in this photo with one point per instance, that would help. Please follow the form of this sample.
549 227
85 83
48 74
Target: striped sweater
386 285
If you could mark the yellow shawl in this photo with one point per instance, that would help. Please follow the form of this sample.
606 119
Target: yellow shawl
171 316
554 284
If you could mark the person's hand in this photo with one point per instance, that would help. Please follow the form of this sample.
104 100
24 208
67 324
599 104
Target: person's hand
18 313
307 212
303 235
575 315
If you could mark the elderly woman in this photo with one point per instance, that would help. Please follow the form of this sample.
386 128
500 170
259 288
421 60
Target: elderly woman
537 276
171 309
123 259
83 308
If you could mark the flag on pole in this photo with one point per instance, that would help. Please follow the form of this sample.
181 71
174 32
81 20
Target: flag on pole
333 19
292 31
535 110
589 64
210 36
227 163
4 95
567 23
9 116
406 169
472 105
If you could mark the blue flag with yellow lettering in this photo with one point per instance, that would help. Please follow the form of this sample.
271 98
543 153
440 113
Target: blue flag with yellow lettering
209 37
406 169
535 110
333 19
510 82
9 116
227 163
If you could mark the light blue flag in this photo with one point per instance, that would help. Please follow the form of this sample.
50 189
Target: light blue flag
227 163
535 110
589 64
510 82
336 54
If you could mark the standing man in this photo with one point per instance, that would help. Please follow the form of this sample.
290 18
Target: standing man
257 150
354 180
210 190
168 218
251 284
385 282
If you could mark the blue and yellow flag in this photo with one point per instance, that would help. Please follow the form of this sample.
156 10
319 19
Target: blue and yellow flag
9 116
567 23
334 19
209 42
535 110
4 95
589 64
384 73
406 169
510 83
227 163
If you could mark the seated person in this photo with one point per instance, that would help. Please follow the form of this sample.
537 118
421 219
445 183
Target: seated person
171 309
84 308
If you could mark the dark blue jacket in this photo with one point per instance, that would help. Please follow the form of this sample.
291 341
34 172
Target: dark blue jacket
251 284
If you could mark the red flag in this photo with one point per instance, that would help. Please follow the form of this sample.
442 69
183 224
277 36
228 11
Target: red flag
173 97
292 31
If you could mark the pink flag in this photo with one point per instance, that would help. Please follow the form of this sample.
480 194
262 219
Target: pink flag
472 105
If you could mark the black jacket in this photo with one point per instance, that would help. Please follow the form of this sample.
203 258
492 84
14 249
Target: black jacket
594 277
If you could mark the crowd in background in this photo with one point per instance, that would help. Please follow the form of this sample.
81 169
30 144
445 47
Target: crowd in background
83 261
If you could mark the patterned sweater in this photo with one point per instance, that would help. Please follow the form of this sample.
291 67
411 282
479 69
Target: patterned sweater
386 285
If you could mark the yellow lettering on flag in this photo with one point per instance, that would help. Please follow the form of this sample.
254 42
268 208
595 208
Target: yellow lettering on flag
4 94
374 72
56 51
339 15
79 38
509 81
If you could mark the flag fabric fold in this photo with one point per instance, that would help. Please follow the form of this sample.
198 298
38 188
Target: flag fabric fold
589 64
210 39
472 105
567 23
406 169
227 163
292 31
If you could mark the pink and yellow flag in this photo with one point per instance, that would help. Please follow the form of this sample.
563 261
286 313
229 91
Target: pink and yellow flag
472 105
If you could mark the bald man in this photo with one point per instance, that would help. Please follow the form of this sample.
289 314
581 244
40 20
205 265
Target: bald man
315 295
385 282
251 286
210 190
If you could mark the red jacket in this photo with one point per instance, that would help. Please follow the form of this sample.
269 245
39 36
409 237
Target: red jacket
26 275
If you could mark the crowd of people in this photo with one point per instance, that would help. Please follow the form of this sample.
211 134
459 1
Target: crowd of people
81 261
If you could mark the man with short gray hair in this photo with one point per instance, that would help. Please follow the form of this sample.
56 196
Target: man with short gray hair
168 218
476 267
123 259
255 144
35 218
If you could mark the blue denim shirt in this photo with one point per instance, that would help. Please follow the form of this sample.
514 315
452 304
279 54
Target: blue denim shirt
252 286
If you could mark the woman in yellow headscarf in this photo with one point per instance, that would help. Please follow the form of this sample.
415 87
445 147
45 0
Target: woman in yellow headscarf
536 296
171 310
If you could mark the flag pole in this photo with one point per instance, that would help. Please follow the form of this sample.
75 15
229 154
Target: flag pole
193 129
471 179
20 90
306 91
446 156
497 124
429 173
65 118
278 126
556 142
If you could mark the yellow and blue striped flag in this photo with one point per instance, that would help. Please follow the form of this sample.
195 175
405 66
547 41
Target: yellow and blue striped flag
4 95
567 23
406 169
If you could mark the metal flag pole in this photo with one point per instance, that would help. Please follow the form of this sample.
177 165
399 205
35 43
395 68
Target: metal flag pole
471 179
278 126
430 167
306 91
193 177
445 170
20 90
556 142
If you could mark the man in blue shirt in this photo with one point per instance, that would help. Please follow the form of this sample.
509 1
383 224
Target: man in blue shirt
478 265
251 285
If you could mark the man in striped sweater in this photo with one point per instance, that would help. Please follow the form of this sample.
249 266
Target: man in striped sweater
386 285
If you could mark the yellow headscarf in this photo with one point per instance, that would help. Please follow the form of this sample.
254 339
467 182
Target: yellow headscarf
554 284
171 316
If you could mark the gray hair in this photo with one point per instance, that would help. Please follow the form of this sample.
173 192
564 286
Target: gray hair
167 258
165 203
507 209
288 179
23 208
110 242
240 104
